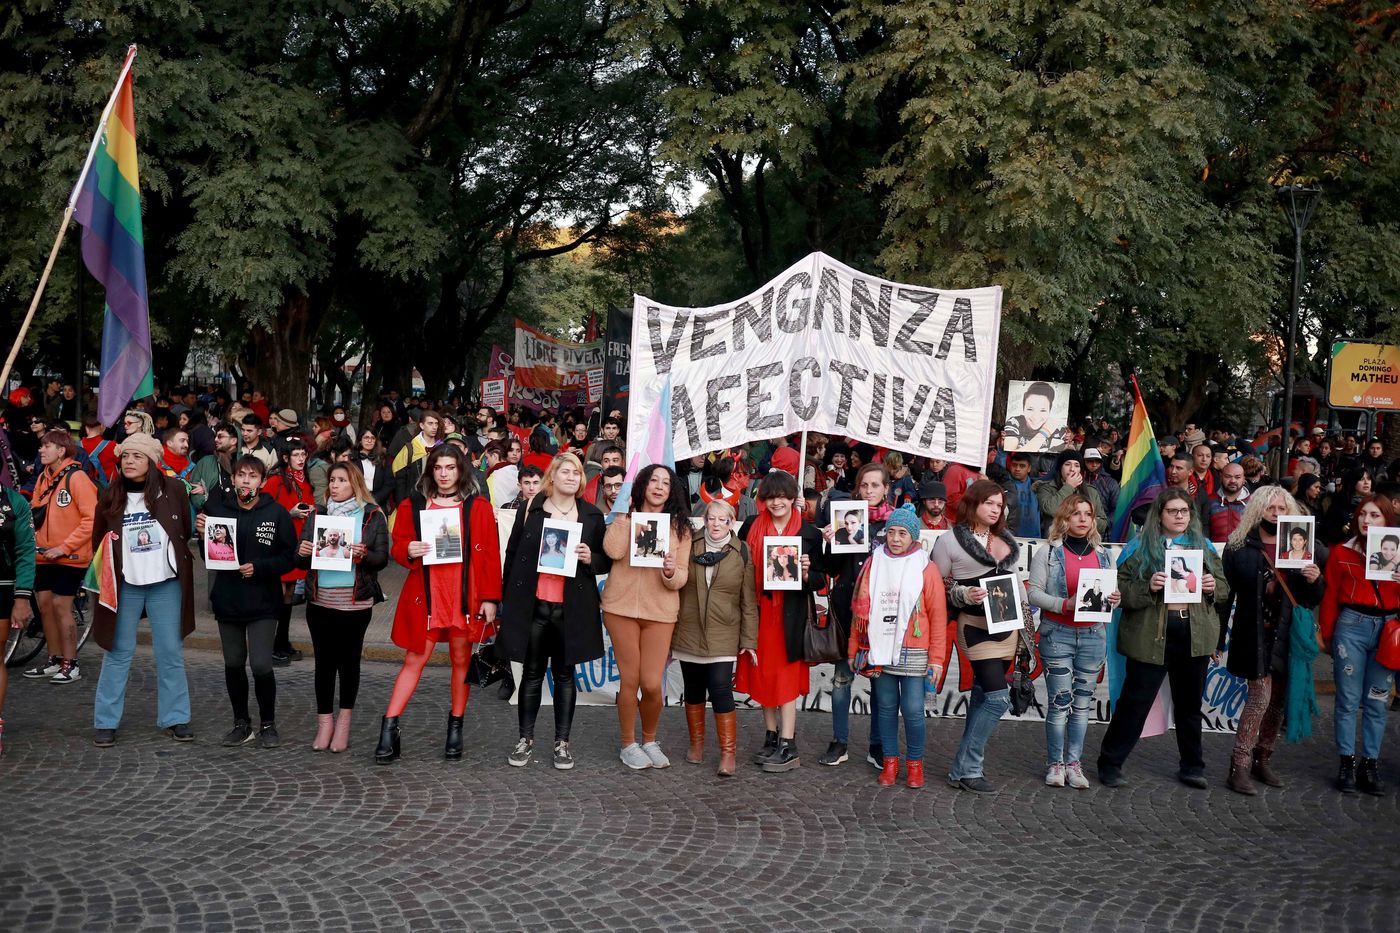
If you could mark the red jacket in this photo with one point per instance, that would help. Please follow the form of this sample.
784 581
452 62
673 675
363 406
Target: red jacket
289 491
957 478
1345 576
481 573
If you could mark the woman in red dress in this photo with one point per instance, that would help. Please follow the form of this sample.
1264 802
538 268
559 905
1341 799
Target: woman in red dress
453 602
779 675
293 492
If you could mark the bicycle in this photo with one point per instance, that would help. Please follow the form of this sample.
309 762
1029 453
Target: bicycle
24 644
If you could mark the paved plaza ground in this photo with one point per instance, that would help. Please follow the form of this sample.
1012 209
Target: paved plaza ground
153 834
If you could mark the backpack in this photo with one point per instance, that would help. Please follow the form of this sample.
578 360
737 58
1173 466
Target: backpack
92 464
40 511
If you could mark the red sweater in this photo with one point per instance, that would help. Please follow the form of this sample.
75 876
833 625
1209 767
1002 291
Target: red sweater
1345 576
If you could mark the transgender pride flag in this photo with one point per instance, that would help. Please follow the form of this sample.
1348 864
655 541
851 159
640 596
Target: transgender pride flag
654 446
107 202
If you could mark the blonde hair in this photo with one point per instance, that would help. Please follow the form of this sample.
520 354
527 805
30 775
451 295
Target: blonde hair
1254 508
1060 524
561 459
719 505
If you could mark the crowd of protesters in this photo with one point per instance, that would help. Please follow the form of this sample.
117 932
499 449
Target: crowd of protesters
81 498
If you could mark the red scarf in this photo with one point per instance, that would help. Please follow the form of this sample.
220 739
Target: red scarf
770 603
878 513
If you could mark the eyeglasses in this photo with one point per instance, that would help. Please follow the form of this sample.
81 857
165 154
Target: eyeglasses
1177 513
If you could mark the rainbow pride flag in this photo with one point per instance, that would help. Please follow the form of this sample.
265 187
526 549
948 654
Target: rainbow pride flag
101 576
1143 473
109 208
654 446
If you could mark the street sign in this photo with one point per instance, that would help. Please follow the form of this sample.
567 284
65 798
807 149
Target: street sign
1364 375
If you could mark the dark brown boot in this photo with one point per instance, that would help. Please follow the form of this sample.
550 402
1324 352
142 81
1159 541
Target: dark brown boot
727 725
1262 771
695 722
1239 781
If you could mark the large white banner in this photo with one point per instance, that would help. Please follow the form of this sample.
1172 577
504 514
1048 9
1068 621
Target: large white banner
826 348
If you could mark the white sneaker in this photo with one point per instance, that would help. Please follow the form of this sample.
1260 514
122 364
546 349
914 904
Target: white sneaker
633 757
67 674
1074 776
1055 775
656 755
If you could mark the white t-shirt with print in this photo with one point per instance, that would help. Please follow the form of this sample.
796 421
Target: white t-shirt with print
146 557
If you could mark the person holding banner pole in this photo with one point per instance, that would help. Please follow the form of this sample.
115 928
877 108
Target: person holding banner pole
980 545
873 486
640 607
779 675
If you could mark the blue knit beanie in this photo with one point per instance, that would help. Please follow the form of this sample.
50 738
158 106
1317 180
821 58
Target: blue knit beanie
904 517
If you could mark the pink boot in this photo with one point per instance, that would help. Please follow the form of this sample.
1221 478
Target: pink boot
325 722
341 740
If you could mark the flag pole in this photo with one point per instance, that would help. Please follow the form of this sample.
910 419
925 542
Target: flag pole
67 216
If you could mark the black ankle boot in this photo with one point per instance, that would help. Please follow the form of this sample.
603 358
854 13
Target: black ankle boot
452 751
784 759
1368 778
1346 774
388 749
770 745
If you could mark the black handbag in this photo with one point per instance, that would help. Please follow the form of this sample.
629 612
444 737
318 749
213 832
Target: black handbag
1022 685
821 642
487 668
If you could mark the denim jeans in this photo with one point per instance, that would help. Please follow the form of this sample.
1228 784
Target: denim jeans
984 711
897 695
841 679
161 603
1073 657
1361 683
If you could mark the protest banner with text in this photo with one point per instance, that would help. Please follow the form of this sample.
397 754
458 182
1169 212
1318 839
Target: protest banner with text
826 348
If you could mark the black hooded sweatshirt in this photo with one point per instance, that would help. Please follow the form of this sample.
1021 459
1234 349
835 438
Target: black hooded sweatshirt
265 538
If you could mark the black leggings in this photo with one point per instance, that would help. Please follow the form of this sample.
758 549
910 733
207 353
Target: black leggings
249 644
546 649
337 637
715 678
990 674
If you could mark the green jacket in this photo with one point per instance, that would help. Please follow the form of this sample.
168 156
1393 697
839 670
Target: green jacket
16 544
1142 630
1053 492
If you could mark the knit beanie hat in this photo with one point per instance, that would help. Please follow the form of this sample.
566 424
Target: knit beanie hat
904 517
142 443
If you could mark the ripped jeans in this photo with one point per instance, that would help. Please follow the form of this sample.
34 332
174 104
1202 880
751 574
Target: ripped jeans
1361 683
1072 657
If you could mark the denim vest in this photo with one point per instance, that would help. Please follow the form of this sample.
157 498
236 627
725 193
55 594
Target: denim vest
1055 569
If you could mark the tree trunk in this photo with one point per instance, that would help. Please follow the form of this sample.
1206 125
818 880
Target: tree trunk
279 358
1390 434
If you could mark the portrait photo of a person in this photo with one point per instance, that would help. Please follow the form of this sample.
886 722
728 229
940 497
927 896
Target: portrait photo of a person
1298 544
220 543
1386 557
850 531
552 549
1034 430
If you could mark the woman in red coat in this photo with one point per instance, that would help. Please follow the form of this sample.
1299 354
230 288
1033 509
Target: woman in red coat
453 601
290 488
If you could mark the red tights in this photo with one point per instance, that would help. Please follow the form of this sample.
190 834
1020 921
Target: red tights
460 649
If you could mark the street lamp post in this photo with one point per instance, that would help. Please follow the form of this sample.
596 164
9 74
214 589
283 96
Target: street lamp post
1298 202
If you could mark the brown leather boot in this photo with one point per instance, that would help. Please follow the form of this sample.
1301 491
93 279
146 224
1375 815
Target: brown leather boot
695 722
1262 771
1239 781
727 725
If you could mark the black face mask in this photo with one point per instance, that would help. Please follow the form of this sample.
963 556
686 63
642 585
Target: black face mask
710 558
1270 527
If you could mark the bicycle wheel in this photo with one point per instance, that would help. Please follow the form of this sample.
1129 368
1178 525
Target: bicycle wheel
81 619
23 644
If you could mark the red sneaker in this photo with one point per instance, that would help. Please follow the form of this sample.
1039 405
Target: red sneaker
889 772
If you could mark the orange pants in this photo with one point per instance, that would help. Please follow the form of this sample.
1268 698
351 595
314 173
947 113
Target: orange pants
640 647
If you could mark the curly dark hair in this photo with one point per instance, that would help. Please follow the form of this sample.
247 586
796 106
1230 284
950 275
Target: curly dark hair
676 505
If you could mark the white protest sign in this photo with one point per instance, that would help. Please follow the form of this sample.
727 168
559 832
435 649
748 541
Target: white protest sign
826 348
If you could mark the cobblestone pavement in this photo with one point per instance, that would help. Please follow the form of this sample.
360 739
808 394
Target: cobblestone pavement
153 834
